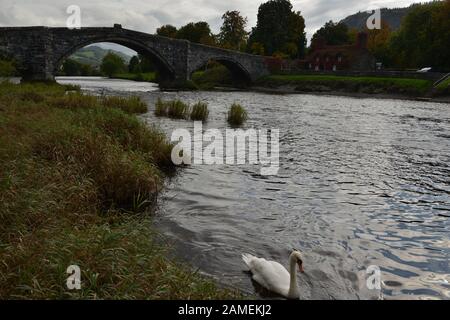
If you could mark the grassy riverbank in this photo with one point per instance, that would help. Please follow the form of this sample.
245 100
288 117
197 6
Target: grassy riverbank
325 83
79 179
443 89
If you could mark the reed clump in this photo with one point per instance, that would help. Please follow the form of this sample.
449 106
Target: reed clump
174 109
237 115
200 111
178 110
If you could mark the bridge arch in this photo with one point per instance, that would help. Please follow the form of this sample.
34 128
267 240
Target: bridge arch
165 70
239 73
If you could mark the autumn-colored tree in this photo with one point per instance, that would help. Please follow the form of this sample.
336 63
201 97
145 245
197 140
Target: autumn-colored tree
378 42
232 33
167 30
257 48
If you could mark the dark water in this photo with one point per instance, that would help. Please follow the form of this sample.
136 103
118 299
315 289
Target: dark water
362 182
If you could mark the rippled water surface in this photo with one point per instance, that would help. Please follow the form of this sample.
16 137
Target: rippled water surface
362 182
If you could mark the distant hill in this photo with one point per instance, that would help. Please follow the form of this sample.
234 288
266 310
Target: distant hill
393 17
94 55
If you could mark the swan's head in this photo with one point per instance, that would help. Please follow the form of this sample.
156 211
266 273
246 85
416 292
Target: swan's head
297 257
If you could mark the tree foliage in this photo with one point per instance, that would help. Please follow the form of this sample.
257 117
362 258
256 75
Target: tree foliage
279 30
232 33
112 64
135 65
378 43
72 67
167 30
198 32
141 64
424 37
333 34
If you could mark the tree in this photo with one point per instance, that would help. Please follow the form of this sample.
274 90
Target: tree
112 64
333 34
424 37
378 42
257 48
296 45
146 64
279 28
232 33
167 31
135 65
198 32
71 67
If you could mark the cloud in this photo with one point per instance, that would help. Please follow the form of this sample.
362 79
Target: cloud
146 16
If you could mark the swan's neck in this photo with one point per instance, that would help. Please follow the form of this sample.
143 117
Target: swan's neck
294 292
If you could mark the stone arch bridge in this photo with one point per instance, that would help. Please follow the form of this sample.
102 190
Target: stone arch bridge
40 51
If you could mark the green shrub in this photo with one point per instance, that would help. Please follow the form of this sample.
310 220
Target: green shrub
237 115
199 112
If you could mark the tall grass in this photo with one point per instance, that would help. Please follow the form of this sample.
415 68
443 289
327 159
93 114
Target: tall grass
237 115
72 170
72 100
128 104
175 109
178 110
200 111
161 108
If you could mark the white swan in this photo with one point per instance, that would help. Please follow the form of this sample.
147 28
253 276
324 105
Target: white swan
274 277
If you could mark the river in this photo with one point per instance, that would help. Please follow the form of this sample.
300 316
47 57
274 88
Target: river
362 182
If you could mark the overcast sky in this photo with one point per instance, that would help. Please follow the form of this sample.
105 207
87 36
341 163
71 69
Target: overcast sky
147 15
